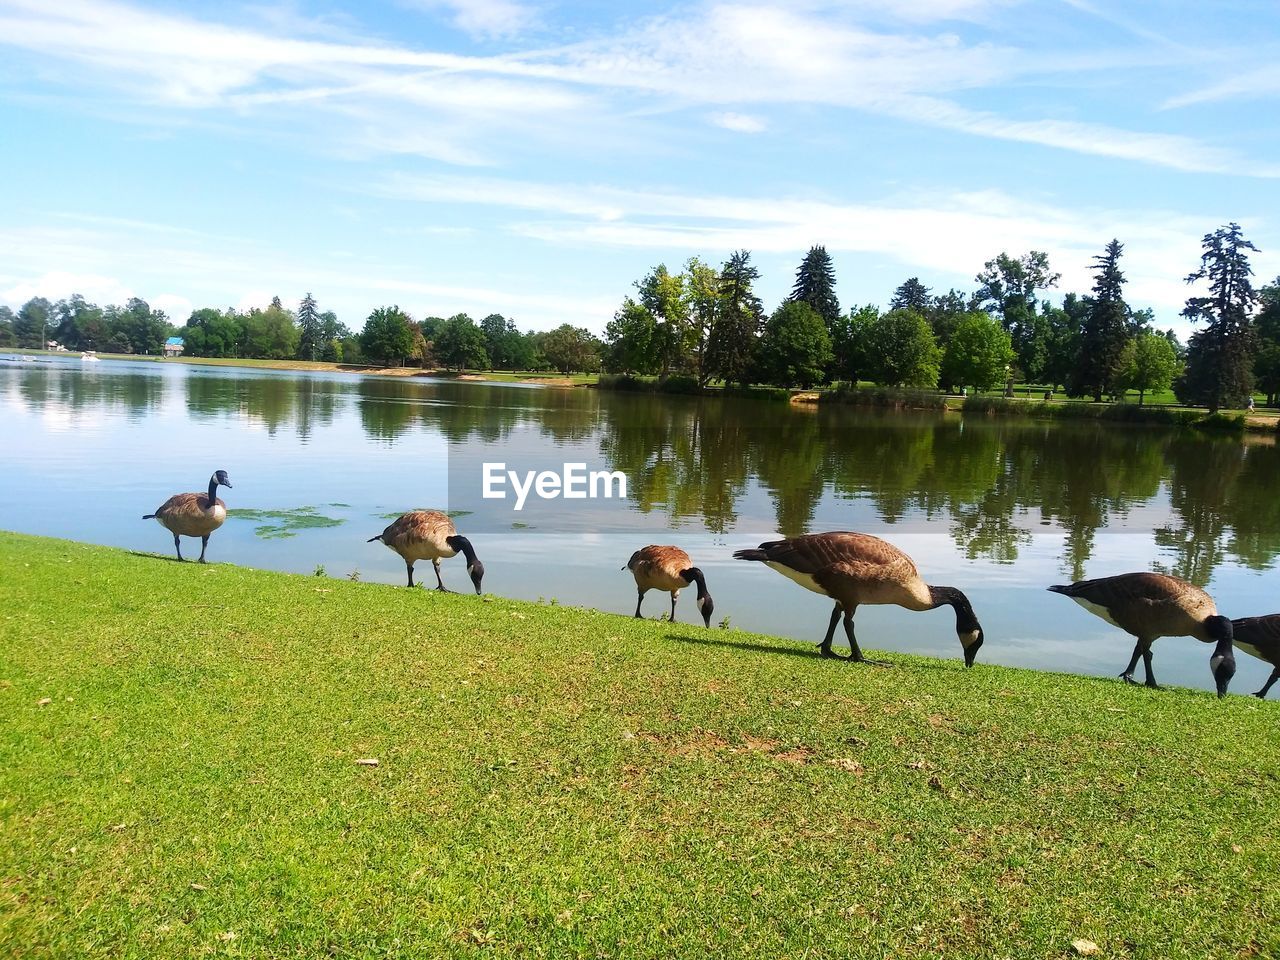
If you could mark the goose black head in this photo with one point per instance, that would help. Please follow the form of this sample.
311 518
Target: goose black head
221 478
475 569
706 606
971 640
1223 661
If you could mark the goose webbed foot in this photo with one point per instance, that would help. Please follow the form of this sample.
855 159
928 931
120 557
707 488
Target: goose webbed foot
443 589
1128 678
868 661
828 654
1261 694
1151 684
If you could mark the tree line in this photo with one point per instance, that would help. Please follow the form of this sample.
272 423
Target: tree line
390 336
708 324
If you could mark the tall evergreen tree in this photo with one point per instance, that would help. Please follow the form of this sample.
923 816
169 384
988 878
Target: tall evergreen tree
310 330
816 285
911 295
1100 363
737 322
1220 357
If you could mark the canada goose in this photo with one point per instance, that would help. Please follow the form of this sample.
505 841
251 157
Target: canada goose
430 535
1260 637
668 568
1153 605
193 514
854 568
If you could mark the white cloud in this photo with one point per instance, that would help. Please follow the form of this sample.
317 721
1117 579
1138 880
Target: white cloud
944 235
463 110
739 122
1251 85
485 18
57 284
177 308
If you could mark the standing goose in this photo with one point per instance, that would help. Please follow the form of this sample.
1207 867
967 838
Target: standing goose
668 568
854 568
193 514
1154 605
430 535
1260 637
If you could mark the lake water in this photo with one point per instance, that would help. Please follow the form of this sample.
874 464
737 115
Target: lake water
321 461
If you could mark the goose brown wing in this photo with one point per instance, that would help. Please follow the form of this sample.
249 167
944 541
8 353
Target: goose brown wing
183 503
1138 589
670 560
419 525
819 551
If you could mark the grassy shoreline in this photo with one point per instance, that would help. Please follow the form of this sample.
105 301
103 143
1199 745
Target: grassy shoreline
181 744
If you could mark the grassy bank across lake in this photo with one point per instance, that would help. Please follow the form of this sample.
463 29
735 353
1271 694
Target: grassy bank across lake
181 749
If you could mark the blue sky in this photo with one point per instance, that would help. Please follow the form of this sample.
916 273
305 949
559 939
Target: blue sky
534 158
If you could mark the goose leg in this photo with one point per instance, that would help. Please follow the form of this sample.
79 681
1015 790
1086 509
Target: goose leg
1267 686
204 545
177 545
1127 676
439 583
855 652
639 600
409 566
673 607
1146 663
825 649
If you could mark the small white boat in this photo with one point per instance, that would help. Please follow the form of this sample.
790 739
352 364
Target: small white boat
90 355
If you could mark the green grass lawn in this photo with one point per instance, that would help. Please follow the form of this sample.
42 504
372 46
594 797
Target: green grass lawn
179 748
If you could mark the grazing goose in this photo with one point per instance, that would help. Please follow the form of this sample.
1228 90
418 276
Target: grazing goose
1153 605
193 514
1260 637
668 568
854 568
430 535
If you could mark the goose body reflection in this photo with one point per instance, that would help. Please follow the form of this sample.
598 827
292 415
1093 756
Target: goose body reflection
193 514
857 568
669 569
1153 605
430 535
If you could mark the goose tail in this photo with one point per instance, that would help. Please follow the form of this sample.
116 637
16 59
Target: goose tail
148 516
1065 588
371 539
753 554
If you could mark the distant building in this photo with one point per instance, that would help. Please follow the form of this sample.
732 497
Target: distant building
173 347
55 346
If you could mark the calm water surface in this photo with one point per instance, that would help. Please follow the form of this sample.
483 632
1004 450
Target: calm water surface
321 461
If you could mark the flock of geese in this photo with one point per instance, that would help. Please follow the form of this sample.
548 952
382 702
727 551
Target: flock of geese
849 568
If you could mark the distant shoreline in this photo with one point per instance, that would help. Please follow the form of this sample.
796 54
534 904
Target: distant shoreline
1257 423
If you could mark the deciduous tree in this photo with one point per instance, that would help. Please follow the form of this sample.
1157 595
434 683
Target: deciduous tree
979 353
1147 362
795 349
1007 288
386 338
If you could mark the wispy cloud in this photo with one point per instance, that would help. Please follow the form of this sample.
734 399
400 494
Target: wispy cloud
484 18
731 55
1250 85
951 234
739 122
